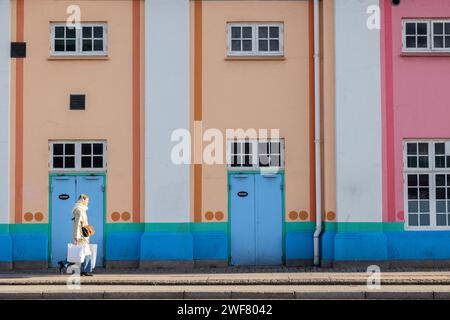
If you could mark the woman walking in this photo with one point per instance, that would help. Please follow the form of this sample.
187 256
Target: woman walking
80 220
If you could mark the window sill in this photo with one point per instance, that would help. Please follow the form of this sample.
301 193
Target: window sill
425 54
53 58
255 58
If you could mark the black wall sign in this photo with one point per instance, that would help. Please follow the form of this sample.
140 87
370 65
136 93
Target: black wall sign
242 194
64 196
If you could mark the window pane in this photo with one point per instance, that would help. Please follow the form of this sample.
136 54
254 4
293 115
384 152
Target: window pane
70 45
275 161
424 206
411 42
422 28
86 149
440 162
247 45
236 45
71 33
424 219
274 32
412 180
274 45
263 45
423 162
412 193
86 162
247 148
440 206
263 148
440 193
412 162
413 206
424 193
439 148
98 45
438 28
70 149
98 162
410 28
264 161
236 147
98 148
448 179
59 32
412 148
87 32
59 45
441 219
413 220
275 147
247 32
438 41
448 161
440 180
447 28
98 32
424 180
70 162
234 161
263 32
87 45
247 161
235 32
58 149
58 162
422 42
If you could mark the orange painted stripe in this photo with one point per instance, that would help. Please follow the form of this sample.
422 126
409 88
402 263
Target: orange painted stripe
18 202
136 190
198 45
312 151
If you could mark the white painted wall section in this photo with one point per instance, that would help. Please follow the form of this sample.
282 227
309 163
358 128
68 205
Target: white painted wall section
166 108
358 114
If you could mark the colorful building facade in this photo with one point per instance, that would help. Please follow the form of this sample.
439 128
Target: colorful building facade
98 97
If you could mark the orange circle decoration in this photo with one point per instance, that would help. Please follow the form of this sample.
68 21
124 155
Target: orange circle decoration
303 215
293 215
28 216
219 215
331 216
209 215
39 216
115 216
126 216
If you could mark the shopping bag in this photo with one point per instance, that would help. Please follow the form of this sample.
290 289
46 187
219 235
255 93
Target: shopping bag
75 253
93 248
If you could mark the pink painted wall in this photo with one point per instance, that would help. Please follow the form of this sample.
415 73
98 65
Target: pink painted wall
416 96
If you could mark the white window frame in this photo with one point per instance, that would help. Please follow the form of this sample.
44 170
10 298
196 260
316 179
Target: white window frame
78 156
430 36
255 40
79 40
431 171
255 154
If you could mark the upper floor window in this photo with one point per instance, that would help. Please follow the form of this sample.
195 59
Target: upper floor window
426 35
90 39
255 39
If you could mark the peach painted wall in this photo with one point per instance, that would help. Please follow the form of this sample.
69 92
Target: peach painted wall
258 94
420 92
107 84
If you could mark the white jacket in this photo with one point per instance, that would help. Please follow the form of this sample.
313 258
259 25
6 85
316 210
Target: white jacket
80 219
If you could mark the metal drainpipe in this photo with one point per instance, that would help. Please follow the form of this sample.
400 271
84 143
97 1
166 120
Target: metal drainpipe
317 138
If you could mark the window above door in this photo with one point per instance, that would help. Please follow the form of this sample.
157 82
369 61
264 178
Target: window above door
77 156
89 40
256 154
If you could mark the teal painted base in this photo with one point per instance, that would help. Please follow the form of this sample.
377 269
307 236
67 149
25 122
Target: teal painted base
5 248
167 246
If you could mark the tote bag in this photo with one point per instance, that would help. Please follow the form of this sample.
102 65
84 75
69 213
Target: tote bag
75 253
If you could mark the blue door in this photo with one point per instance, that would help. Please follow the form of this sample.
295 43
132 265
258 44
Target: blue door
256 219
65 191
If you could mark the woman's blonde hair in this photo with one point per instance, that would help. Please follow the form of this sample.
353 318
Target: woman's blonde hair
83 197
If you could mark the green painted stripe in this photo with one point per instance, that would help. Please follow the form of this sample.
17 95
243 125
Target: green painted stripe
209 227
167 227
4 228
29 228
300 226
364 226
124 227
393 226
